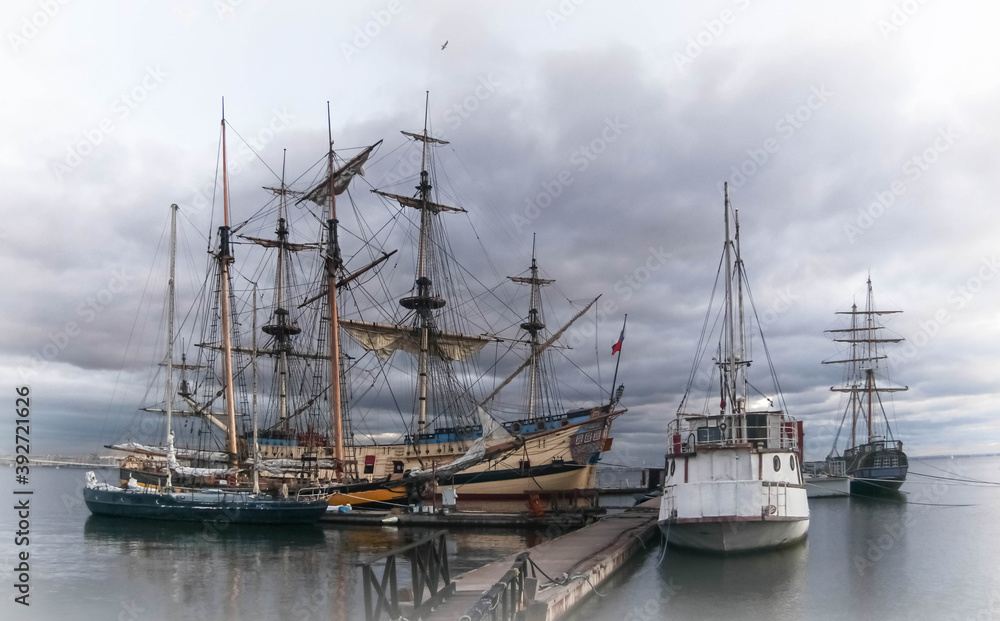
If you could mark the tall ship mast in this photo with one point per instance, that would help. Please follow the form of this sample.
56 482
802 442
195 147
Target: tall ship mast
873 458
533 326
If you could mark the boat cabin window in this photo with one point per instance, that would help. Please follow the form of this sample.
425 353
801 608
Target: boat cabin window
709 434
369 464
757 428
397 467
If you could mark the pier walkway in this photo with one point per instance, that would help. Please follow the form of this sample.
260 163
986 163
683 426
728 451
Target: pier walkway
566 569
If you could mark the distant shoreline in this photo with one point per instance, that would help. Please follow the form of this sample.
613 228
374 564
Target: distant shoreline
69 461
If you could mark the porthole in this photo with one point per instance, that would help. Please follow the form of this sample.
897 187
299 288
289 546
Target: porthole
777 463
673 464
791 462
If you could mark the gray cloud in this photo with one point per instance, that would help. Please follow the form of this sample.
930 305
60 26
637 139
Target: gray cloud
812 223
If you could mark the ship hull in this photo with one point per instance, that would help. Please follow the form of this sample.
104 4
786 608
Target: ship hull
726 536
734 498
561 456
868 481
513 484
230 508
877 467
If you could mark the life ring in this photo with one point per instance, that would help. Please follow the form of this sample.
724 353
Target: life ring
722 427
515 427
564 422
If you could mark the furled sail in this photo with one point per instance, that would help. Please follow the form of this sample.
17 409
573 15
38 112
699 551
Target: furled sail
384 339
194 472
341 178
160 451
417 203
495 440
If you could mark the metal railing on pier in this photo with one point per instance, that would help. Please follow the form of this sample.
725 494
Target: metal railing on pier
505 598
430 579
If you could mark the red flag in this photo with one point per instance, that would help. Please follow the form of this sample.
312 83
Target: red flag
617 347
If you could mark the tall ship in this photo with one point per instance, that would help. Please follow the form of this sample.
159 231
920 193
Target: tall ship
199 493
425 334
338 369
733 470
873 458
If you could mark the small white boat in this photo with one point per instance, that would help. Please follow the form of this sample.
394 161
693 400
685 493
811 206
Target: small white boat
826 479
825 486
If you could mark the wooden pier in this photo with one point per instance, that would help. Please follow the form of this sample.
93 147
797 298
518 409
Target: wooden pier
541 584
568 519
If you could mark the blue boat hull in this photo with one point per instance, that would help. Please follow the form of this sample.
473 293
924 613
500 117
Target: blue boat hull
877 480
231 507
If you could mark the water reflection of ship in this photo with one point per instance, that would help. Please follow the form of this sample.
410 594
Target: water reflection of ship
136 534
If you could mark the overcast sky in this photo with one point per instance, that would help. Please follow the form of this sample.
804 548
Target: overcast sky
857 137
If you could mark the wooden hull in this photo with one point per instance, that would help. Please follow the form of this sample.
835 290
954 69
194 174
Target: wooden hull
514 485
368 497
559 453
558 458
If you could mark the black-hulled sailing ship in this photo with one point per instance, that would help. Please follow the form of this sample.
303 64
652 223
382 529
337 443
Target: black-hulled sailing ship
213 498
874 458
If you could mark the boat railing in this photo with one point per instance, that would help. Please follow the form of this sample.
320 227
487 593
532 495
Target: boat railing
311 493
194 494
718 431
431 581
191 494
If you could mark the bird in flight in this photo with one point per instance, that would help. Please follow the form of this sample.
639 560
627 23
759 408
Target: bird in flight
445 45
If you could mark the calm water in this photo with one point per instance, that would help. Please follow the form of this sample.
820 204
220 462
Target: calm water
864 559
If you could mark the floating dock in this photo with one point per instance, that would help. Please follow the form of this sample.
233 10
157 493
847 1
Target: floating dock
568 518
566 569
